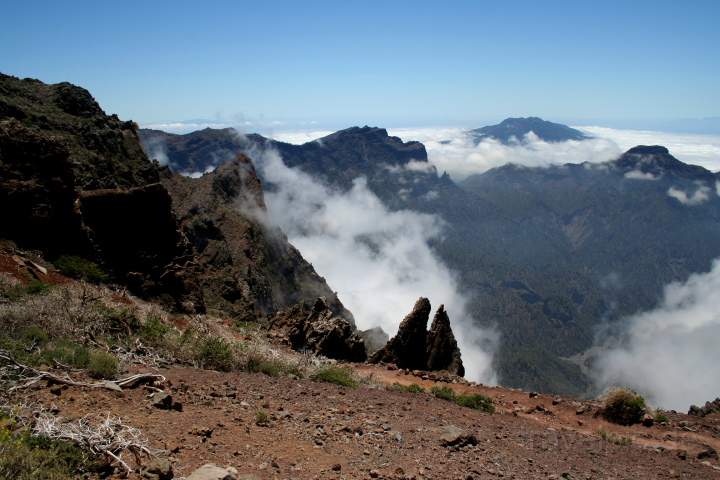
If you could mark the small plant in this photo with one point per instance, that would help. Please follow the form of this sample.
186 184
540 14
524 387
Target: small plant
262 419
102 364
80 268
270 367
216 353
614 438
36 287
445 393
476 401
624 407
26 457
66 352
412 388
153 330
660 417
334 374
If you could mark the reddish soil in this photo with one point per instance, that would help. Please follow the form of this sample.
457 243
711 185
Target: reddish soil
323 431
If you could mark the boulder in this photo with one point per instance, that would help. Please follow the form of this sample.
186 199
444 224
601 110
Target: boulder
441 347
213 472
319 330
407 349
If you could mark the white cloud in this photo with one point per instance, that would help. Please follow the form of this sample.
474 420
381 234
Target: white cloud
670 354
379 261
453 151
640 175
699 196
703 150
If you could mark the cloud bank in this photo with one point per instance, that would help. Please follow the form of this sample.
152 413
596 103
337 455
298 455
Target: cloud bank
378 260
670 354
451 150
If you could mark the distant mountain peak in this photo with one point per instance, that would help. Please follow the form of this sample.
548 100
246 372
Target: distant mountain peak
515 129
649 150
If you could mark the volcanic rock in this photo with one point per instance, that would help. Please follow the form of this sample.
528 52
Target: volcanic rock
407 349
414 348
319 330
442 350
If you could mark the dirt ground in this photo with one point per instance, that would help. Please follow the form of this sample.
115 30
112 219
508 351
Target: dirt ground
324 431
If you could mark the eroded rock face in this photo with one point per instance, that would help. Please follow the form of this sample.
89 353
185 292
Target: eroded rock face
407 348
247 267
76 181
417 349
317 329
442 349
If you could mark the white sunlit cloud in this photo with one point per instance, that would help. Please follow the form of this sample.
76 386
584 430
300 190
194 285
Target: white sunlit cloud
379 261
669 354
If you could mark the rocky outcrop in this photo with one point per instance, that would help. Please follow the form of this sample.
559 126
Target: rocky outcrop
415 348
317 329
707 409
442 350
76 181
407 348
247 267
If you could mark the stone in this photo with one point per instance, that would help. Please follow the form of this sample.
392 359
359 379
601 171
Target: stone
157 469
213 472
648 420
707 453
455 437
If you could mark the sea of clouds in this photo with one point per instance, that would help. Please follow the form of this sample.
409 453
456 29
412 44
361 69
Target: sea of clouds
453 151
379 261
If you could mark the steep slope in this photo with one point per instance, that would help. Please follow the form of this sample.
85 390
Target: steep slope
547 255
75 181
246 268
515 129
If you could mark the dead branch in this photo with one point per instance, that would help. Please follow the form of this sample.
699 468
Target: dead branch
38 375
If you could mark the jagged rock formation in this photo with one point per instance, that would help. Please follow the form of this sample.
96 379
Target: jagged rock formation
317 329
707 409
442 351
417 349
407 348
246 267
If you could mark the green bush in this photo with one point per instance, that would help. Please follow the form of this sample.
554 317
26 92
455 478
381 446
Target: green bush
262 419
26 457
614 438
334 374
270 367
446 393
216 353
66 352
624 407
660 417
16 292
153 330
477 402
412 388
102 364
80 268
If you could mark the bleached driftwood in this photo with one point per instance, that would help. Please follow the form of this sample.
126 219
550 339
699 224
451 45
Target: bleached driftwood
37 375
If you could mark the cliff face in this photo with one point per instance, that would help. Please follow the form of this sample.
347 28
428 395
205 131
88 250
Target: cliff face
74 180
247 267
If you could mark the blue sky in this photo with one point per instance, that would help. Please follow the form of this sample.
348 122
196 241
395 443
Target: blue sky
393 63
